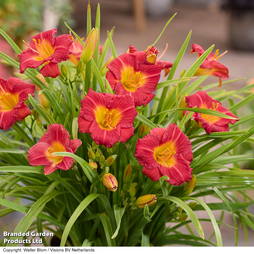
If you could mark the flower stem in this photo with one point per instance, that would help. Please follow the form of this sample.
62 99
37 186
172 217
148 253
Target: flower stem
22 133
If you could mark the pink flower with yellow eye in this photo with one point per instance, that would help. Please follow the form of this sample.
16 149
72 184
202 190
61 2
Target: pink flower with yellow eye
13 93
56 139
210 123
47 50
165 152
108 117
127 75
210 66
150 56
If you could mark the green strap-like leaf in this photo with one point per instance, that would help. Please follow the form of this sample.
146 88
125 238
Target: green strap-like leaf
82 206
118 211
37 207
188 210
213 220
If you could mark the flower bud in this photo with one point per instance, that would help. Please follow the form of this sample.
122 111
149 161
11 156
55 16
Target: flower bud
38 121
90 45
35 113
91 154
146 200
183 104
93 165
132 190
192 205
42 99
182 73
189 186
183 217
64 71
127 174
102 159
80 66
104 68
110 160
151 58
110 182
143 130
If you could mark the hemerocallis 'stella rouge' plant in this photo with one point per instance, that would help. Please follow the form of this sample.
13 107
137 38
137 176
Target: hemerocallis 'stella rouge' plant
165 152
46 50
210 123
93 171
56 139
210 66
13 93
127 75
108 117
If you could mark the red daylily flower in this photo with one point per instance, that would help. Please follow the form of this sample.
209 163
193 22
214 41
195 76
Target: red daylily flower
13 93
165 152
150 56
47 50
210 123
127 75
108 117
210 66
56 139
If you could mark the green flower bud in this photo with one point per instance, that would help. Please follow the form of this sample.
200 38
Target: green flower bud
182 73
127 174
192 205
132 190
189 186
90 46
183 217
80 66
91 154
146 200
64 71
110 160
143 130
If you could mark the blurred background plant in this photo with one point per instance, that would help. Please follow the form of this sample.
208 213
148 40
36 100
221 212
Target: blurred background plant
21 18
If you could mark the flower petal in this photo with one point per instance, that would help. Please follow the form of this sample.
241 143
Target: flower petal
84 125
8 118
36 154
126 133
182 144
57 133
126 109
154 173
178 173
62 45
50 70
145 151
23 112
103 136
